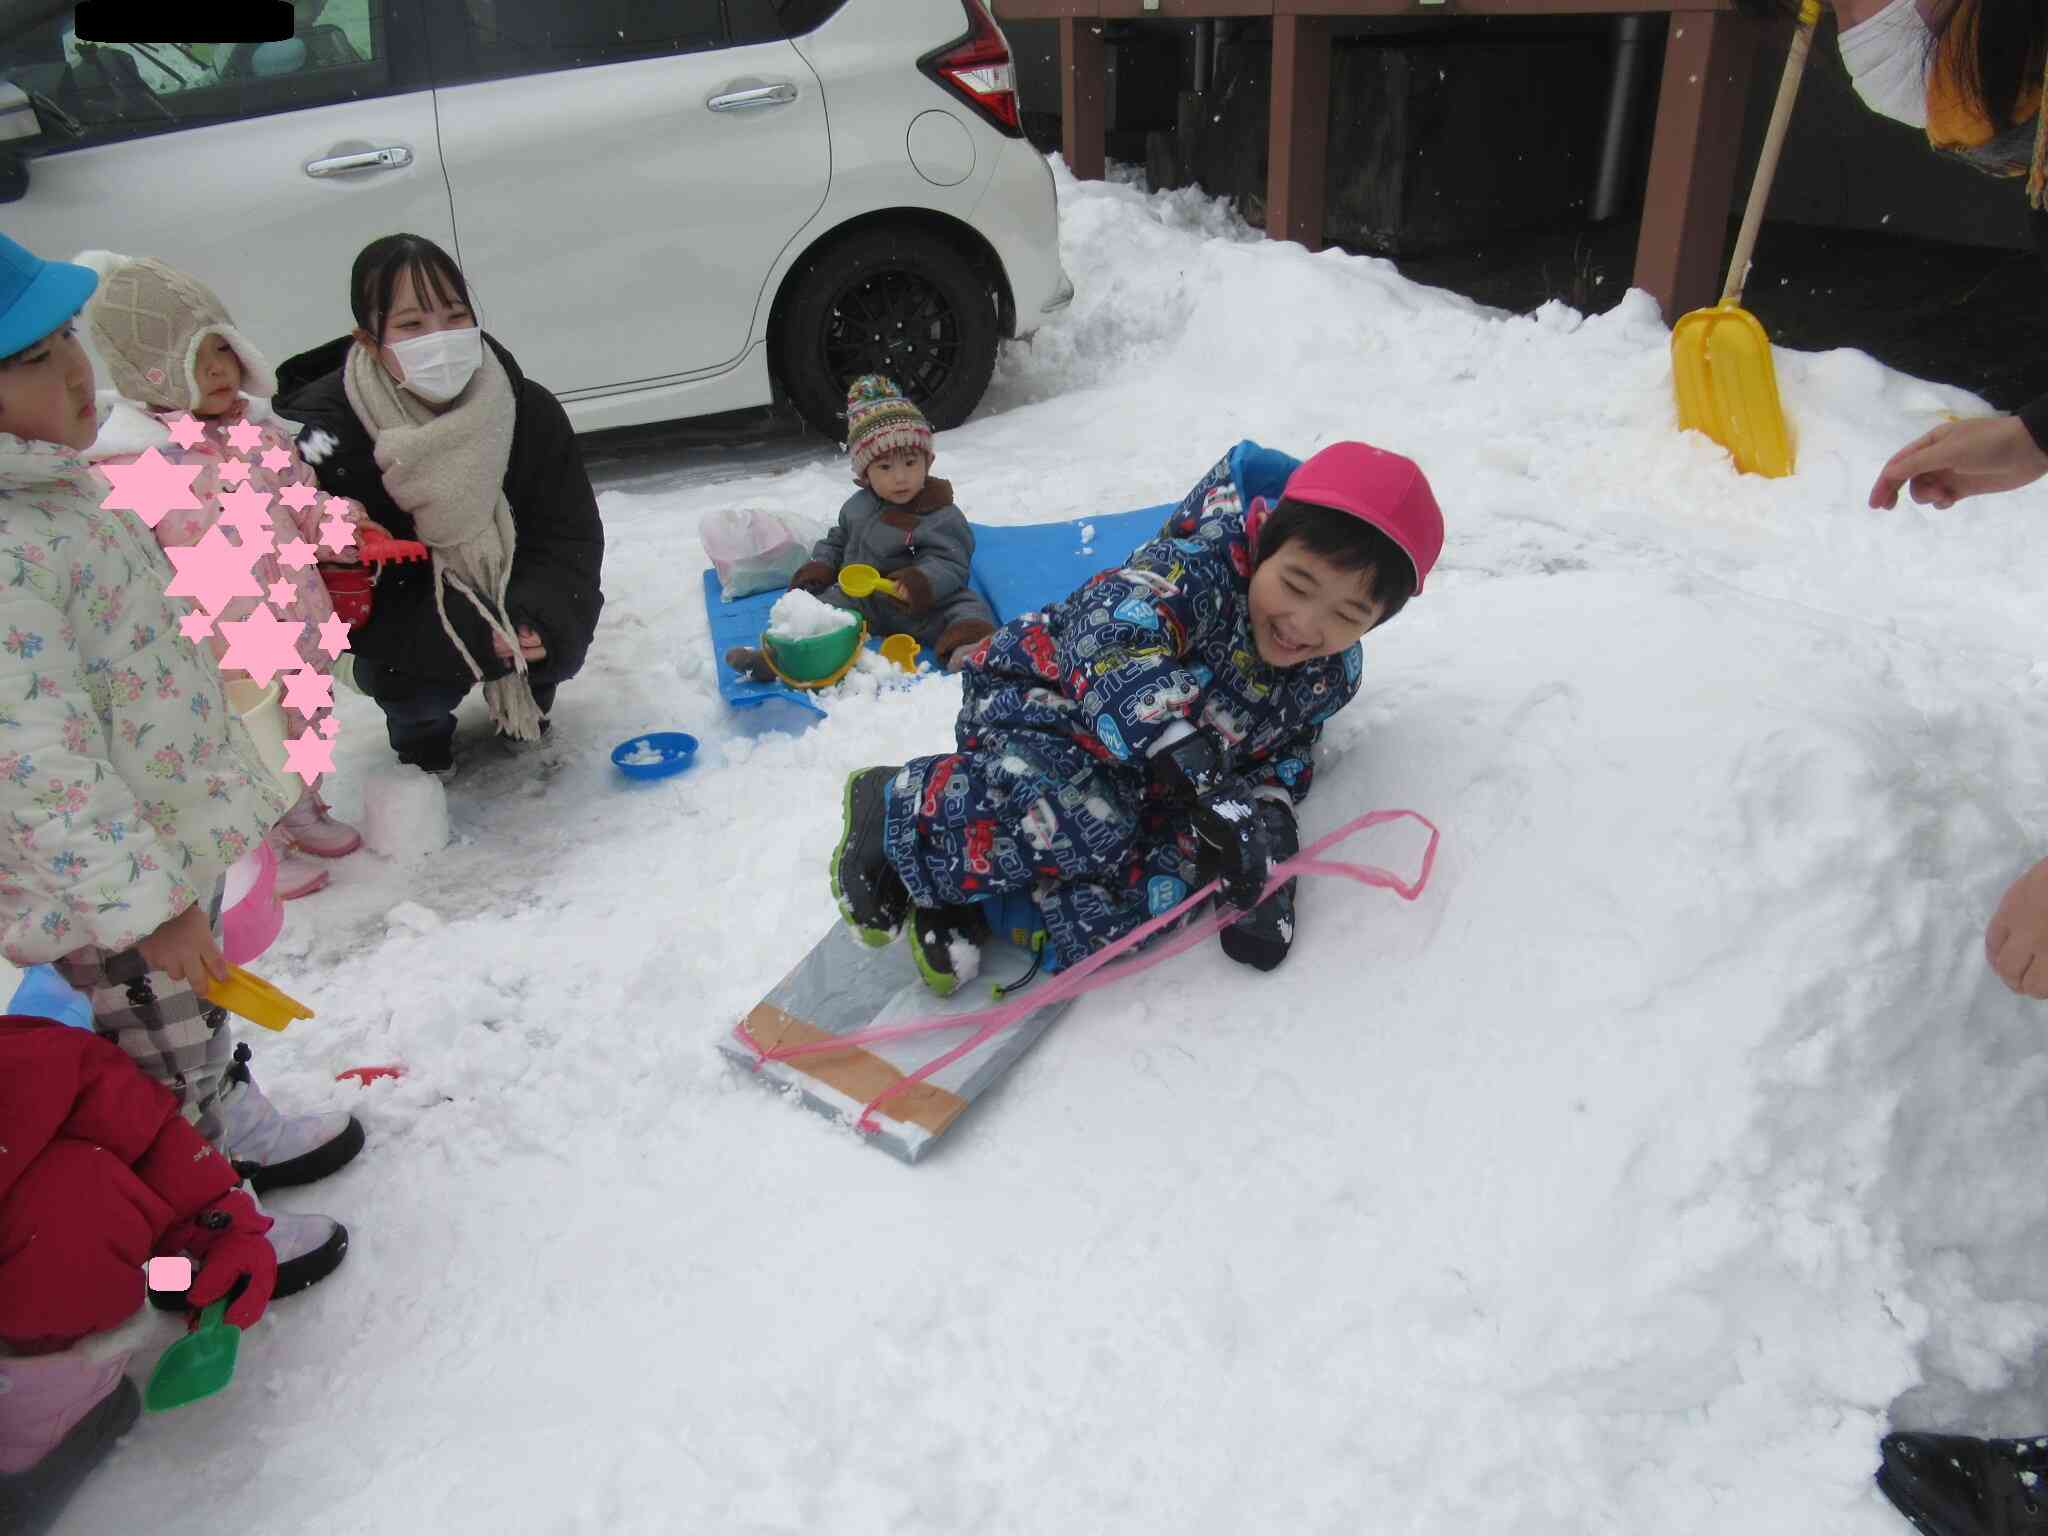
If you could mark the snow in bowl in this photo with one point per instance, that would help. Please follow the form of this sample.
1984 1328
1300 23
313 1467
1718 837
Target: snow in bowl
655 756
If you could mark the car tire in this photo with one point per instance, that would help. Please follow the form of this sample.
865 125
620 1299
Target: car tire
900 302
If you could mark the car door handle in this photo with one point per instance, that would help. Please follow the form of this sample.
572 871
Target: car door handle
394 158
778 95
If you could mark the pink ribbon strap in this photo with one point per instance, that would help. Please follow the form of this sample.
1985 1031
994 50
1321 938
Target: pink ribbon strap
1097 970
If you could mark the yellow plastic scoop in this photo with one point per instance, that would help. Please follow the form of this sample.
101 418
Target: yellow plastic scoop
861 580
255 999
902 650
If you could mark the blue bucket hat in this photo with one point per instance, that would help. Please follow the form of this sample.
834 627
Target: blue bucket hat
37 296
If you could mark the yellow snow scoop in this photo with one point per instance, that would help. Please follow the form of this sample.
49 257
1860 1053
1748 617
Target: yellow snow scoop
254 999
861 580
1720 357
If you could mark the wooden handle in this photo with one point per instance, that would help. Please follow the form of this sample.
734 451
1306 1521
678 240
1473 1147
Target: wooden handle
1774 142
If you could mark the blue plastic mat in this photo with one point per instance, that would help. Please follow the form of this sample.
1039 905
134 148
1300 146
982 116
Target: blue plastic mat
1017 568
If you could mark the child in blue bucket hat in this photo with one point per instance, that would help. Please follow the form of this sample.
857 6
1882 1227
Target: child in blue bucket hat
127 786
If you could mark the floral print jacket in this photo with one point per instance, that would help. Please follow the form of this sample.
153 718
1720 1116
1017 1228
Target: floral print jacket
127 787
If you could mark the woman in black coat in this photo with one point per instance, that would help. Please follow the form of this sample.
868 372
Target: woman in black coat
430 425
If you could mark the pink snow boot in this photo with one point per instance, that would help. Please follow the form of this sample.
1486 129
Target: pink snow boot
59 1416
312 830
296 876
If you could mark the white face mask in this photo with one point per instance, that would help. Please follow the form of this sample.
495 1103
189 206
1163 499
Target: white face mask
1887 55
439 365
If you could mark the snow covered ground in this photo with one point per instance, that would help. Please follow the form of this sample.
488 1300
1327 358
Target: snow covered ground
1632 1180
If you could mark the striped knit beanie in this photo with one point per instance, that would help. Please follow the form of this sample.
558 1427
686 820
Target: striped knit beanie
879 420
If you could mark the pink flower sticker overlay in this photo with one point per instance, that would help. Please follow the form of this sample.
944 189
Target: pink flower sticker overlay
222 566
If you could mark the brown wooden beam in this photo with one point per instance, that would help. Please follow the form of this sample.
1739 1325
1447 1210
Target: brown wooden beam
1708 60
1084 87
1298 150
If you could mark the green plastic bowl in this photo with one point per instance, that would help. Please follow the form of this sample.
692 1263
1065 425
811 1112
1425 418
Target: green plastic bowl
816 658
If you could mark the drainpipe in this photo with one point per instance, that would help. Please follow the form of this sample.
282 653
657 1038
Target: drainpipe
1631 43
1205 55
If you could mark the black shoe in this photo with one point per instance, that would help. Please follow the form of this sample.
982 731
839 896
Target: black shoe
32 1499
1956 1485
933 933
870 895
1262 937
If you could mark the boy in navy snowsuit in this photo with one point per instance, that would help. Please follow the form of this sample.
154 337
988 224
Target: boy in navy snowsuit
1152 731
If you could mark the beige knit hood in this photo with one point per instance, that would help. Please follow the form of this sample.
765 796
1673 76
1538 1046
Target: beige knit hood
147 323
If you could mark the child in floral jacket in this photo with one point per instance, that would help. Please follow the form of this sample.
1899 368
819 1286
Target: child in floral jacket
1152 731
127 787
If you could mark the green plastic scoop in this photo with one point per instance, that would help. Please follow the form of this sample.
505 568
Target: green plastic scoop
198 1365
861 580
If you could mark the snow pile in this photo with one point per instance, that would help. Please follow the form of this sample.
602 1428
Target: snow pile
797 615
405 812
1631 1180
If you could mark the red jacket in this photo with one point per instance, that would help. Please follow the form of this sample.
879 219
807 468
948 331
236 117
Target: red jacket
96 1163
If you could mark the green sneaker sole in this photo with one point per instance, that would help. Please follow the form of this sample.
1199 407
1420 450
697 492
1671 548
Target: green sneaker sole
941 983
874 938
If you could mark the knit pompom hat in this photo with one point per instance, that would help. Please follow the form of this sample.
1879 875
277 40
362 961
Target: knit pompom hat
879 420
148 322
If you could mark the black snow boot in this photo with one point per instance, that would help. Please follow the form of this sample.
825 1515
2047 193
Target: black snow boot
934 934
871 897
1956 1485
1261 938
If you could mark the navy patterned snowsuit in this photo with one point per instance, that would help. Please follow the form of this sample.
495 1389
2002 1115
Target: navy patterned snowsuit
1048 793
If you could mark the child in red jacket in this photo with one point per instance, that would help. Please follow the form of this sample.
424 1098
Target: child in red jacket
99 1173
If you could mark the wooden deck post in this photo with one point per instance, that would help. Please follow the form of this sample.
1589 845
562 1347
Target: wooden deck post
1084 85
1297 161
1707 64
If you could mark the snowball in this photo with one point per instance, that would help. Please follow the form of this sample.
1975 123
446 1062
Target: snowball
411 917
966 958
643 755
405 812
799 616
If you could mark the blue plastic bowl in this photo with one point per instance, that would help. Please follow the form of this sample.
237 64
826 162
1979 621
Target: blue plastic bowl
673 752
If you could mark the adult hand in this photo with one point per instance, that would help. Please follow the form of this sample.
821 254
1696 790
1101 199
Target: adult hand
531 646
1962 458
2016 942
183 949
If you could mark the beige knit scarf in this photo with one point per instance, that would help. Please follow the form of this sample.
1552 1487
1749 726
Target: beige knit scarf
447 470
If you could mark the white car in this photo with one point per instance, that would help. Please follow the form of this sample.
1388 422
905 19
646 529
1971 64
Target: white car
665 209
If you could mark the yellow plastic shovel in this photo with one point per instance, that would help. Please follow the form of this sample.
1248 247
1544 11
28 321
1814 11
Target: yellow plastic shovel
1720 357
861 580
255 999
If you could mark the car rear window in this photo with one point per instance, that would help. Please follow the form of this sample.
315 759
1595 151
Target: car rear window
501 38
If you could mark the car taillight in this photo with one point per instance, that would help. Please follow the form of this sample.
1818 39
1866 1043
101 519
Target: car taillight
977 69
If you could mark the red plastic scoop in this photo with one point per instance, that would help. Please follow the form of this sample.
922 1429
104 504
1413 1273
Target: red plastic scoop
374 549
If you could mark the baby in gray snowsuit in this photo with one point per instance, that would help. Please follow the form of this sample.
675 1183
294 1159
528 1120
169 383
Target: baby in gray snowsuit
902 522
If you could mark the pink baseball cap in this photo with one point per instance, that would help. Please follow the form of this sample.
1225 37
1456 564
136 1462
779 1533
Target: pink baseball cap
1377 487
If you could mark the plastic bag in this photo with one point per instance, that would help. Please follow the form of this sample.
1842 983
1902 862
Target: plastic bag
754 551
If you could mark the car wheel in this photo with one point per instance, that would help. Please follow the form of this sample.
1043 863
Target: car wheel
901 303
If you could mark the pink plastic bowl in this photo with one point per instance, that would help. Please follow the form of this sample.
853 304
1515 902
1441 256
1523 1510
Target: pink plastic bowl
252 924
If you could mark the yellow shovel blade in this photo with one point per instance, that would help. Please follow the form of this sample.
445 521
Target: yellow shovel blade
1721 365
861 580
255 999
